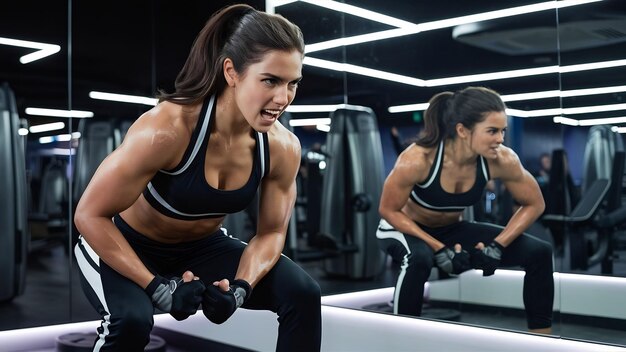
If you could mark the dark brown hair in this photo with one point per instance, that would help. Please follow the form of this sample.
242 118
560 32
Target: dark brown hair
468 107
238 32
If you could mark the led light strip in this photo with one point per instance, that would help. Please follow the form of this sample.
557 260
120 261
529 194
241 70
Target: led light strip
525 96
527 72
58 113
360 12
309 122
47 127
43 49
124 98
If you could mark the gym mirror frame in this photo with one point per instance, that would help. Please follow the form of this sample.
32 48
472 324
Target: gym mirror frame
154 45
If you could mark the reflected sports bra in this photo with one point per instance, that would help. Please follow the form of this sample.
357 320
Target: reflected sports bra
431 195
183 192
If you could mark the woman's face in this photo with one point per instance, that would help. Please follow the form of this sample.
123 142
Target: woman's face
488 135
267 87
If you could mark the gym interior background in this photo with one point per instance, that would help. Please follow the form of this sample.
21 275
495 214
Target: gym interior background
559 65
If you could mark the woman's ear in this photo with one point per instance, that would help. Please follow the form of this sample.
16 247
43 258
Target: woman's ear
230 74
461 131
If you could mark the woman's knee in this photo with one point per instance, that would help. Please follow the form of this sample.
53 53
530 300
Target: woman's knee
540 254
543 251
306 290
132 323
420 259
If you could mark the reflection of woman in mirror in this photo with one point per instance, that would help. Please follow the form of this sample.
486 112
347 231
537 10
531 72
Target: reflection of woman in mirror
435 179
199 155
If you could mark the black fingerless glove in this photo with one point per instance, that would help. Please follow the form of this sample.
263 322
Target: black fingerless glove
218 305
180 299
452 262
488 258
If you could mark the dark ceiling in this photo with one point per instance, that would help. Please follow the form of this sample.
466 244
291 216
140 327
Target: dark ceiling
137 47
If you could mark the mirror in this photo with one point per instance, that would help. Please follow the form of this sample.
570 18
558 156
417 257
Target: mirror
35 255
420 60
524 41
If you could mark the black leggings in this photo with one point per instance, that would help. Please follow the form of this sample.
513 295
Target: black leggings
127 312
417 259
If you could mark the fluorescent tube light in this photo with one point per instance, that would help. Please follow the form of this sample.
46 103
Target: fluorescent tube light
592 122
360 12
603 121
59 138
309 122
618 129
47 127
46 140
271 5
526 72
124 98
313 108
58 113
565 120
22 131
408 107
566 111
323 128
43 49
359 70
525 96
490 76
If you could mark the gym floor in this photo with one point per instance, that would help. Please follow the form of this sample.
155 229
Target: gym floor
46 301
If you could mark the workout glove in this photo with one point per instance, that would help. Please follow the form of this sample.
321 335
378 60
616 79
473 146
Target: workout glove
218 305
180 299
452 262
488 258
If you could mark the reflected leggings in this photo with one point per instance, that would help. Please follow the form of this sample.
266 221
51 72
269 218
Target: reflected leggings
127 311
417 260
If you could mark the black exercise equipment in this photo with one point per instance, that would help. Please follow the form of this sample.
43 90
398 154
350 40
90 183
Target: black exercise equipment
14 235
96 142
589 228
352 186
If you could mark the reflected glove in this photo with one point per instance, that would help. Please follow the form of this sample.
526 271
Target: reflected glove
218 305
488 258
180 299
452 262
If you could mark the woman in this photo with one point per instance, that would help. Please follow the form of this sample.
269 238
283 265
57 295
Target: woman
446 170
199 155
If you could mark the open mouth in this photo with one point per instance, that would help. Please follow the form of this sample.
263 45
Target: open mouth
270 114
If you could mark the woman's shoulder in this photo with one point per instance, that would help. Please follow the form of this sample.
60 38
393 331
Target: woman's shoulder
169 119
282 139
507 163
417 154
415 163
165 129
284 147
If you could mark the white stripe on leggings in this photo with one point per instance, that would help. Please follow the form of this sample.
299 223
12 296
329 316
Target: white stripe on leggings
93 278
398 236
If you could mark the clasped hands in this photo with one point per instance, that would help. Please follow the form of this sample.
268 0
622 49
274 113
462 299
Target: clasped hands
181 296
482 257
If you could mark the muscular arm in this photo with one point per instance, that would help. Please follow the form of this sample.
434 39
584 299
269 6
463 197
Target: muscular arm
524 189
396 191
117 183
278 196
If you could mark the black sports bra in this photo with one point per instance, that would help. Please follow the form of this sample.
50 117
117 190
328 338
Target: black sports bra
183 192
431 195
